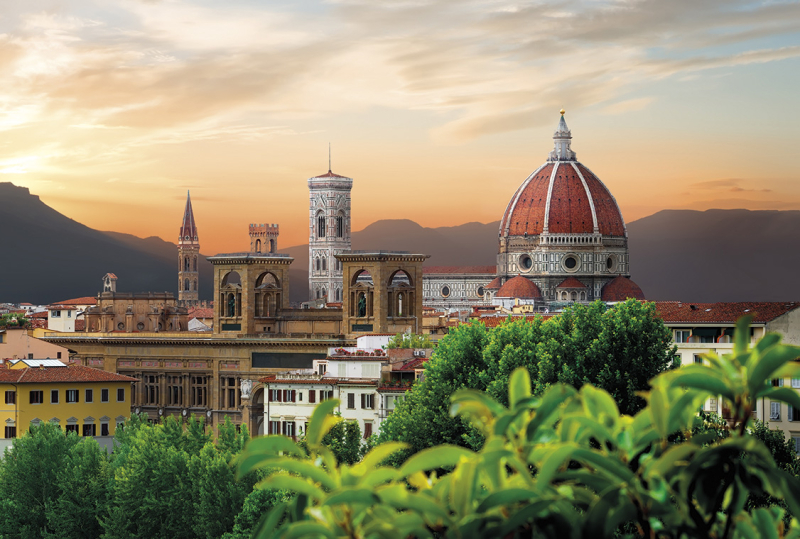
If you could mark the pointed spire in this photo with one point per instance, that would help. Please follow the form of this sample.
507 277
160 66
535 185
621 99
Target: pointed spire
561 139
329 157
188 233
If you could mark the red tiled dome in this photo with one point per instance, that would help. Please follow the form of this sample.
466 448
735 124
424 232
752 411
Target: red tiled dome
562 197
519 287
495 284
571 282
621 288
575 204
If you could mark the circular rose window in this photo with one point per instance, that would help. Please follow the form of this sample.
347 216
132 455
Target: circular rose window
525 262
445 291
570 262
481 291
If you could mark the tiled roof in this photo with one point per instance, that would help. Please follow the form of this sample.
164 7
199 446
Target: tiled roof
519 287
459 269
72 373
724 313
495 284
201 312
570 211
110 275
621 288
415 363
80 325
26 304
42 314
86 300
59 307
571 282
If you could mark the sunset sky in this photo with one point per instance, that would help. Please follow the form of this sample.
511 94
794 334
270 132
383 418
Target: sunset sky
111 110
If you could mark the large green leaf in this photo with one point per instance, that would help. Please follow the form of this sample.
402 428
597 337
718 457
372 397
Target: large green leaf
506 497
519 386
261 450
266 526
294 484
441 456
553 398
321 421
380 453
768 364
702 378
306 529
352 496
783 394
305 469
741 336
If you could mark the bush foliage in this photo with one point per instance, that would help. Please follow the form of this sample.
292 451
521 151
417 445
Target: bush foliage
565 463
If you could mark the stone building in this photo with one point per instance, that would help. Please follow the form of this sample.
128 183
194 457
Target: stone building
188 252
329 234
136 312
562 230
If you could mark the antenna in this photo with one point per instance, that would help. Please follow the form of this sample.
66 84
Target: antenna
329 157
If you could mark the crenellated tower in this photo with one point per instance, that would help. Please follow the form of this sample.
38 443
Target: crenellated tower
329 234
188 253
264 238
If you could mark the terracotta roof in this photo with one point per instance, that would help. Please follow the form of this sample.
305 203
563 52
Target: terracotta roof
59 307
86 300
201 312
415 363
571 282
570 210
80 325
519 287
275 379
26 304
494 321
42 314
110 275
724 313
72 373
621 288
495 284
458 269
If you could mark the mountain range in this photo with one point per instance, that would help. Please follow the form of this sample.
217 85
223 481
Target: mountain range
687 255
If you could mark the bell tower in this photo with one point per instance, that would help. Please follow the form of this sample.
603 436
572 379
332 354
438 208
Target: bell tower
329 234
188 252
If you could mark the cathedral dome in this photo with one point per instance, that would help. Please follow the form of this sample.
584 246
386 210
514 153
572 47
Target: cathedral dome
562 197
519 287
621 288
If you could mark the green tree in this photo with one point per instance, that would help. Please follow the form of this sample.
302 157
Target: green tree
617 349
344 440
29 480
14 320
256 506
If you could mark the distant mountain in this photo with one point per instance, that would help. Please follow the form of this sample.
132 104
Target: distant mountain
47 257
717 255
713 255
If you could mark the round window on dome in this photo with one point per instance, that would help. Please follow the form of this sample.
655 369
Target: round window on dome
570 262
445 291
481 291
525 262
611 263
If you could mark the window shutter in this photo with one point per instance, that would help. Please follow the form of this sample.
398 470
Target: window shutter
294 395
312 395
280 396
363 401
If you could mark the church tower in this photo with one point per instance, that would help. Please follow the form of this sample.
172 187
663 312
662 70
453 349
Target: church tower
188 252
329 234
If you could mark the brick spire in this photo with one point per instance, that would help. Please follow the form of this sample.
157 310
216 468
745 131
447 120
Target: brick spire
188 233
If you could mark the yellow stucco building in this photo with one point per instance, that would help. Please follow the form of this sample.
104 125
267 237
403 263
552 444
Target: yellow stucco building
87 401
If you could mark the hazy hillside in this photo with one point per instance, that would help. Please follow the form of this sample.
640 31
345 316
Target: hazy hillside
48 257
717 255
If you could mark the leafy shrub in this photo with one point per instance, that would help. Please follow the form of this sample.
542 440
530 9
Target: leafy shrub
565 464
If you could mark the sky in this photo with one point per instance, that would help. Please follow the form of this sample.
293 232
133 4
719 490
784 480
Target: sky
111 110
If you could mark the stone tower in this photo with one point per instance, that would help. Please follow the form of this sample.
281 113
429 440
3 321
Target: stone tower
264 238
188 252
329 234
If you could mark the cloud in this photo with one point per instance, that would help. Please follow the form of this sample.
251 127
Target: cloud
730 184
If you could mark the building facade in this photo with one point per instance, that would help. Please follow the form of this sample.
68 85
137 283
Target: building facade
188 253
329 234
89 402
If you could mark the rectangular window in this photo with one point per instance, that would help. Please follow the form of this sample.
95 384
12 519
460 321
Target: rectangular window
322 368
682 335
775 411
351 401
796 383
11 432
275 395
794 414
55 314
30 356
103 395
342 368
796 440
698 359
325 394
121 395
174 390
367 401
11 398
88 429
89 395
72 428
37 397
274 427
777 382
288 429
312 396
300 397
104 429
53 396
289 395
72 395
58 355
367 429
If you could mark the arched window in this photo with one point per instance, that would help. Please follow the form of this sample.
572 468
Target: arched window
258 246
339 226
324 294
324 264
194 285
194 264
186 285
320 225
318 264
271 246
186 264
